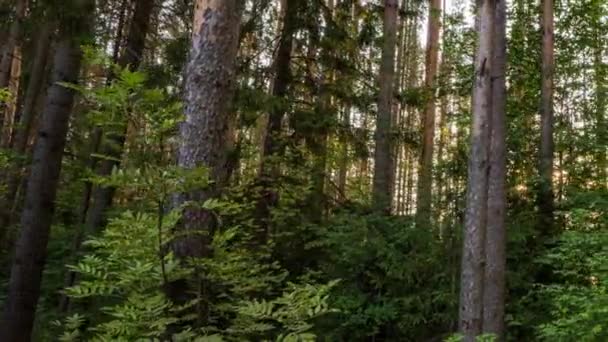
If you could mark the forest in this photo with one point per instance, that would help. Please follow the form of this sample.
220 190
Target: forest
304 170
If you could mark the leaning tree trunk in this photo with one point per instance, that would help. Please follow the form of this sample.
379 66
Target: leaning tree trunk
204 137
471 286
545 191
496 239
381 189
425 173
30 252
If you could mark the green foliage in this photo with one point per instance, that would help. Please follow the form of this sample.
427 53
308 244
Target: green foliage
5 95
480 338
578 295
392 284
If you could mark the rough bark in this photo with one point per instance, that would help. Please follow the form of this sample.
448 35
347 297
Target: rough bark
205 134
545 191
496 235
30 252
472 271
131 57
425 172
381 188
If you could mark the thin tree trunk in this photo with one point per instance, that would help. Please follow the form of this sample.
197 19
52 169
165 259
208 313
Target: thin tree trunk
600 112
346 124
344 160
425 172
14 39
545 192
37 75
496 235
94 144
30 254
130 58
272 144
10 110
472 272
33 87
381 191
7 60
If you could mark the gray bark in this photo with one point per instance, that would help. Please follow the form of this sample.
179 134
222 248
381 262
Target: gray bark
425 172
471 289
545 194
381 188
496 235
205 139
30 252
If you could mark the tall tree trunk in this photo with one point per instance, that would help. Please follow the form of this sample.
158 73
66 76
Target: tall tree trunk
343 160
30 253
205 133
601 128
37 75
12 45
343 163
381 191
272 144
425 172
496 237
545 191
410 122
471 289
94 144
34 86
14 39
130 58
11 108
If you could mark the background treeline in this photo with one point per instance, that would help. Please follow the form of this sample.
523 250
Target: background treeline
300 170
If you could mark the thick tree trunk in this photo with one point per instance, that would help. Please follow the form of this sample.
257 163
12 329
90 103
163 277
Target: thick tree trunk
545 191
131 58
471 289
30 253
205 139
496 237
381 192
425 172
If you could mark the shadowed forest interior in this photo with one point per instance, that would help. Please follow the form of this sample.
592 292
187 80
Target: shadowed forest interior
304 170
